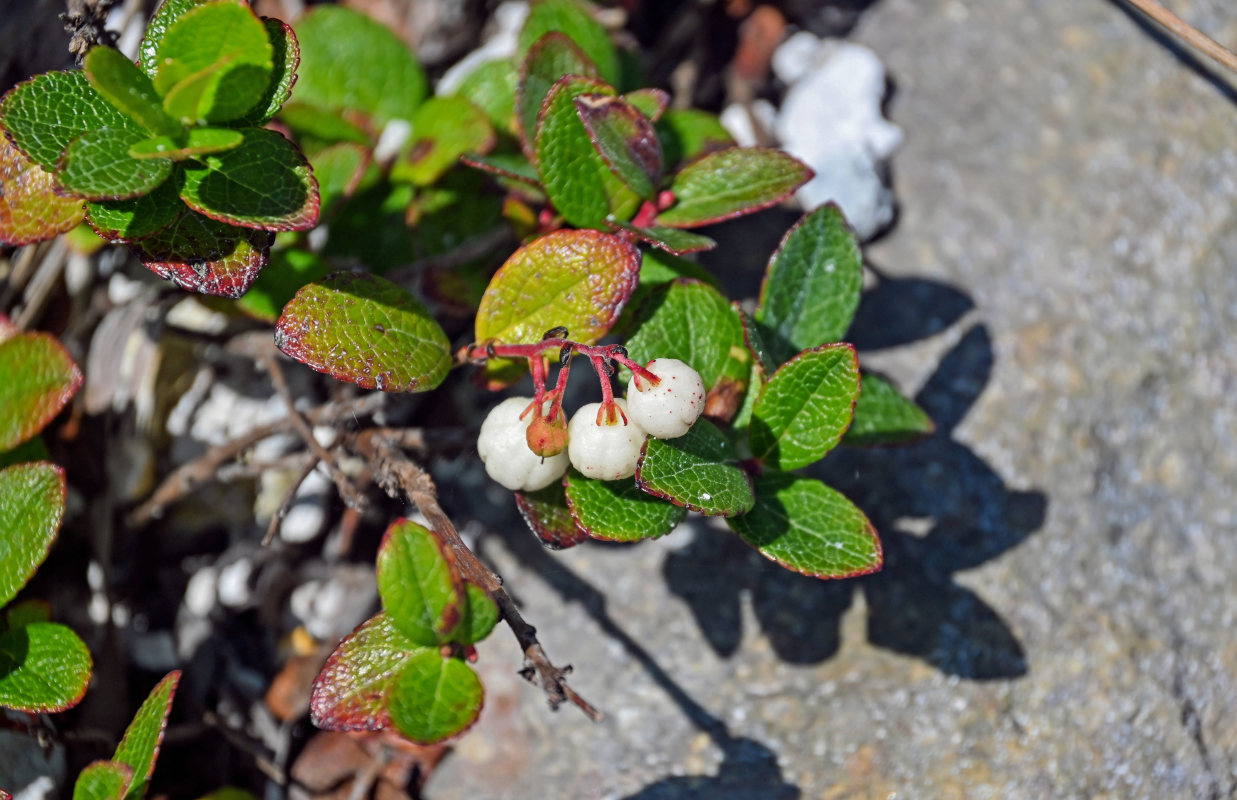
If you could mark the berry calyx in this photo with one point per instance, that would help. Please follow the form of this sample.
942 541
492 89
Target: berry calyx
603 449
504 449
668 408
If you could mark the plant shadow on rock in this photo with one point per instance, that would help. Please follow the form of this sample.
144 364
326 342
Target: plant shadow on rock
938 507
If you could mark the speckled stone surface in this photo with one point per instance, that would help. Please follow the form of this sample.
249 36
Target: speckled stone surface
1058 615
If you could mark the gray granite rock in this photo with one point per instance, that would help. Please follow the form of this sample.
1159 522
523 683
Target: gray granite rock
1057 615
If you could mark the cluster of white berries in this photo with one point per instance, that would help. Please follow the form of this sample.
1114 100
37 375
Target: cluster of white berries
601 445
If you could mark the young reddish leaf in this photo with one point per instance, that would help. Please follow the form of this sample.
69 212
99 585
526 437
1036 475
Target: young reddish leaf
44 667
805 407
197 142
434 698
651 102
672 240
548 60
617 511
812 284
480 617
103 780
350 694
549 518
697 471
213 63
576 279
97 166
443 129
420 587
884 416
47 112
492 88
362 328
31 507
689 133
805 526
164 17
731 183
349 61
127 88
138 217
140 746
202 255
625 139
285 58
264 183
39 378
573 19
30 209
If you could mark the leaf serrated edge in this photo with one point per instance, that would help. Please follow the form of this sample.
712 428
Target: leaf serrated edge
808 174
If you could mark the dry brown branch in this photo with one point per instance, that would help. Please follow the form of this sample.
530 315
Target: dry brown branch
1188 33
286 502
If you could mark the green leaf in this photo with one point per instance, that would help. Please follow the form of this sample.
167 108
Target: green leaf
492 88
350 694
419 586
31 507
697 471
138 217
805 526
340 170
434 698
625 139
39 379
573 19
213 63
97 166
576 178
480 618
372 227
549 59
506 165
812 285
322 127
575 279
164 17
140 746
806 407
884 416
443 129
103 780
26 612
44 667
127 88
730 183
672 240
47 112
651 102
263 183
549 518
197 142
202 255
349 61
289 270
30 208
362 328
285 57
618 511
689 133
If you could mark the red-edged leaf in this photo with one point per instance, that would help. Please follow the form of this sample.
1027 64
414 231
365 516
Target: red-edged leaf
434 698
550 58
103 780
44 667
421 588
549 518
140 746
30 209
672 240
651 102
202 255
350 694
39 378
731 183
31 508
625 139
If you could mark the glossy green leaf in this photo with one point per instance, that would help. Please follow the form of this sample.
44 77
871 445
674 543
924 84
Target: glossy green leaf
576 178
362 328
164 17
419 586
202 255
806 407
350 693
625 139
30 208
97 166
199 141
575 20
349 61
127 88
884 416
696 470
103 780
288 271
140 746
44 114
31 507
39 379
730 183
44 667
549 518
434 698
138 217
672 240
689 133
805 526
443 129
651 102
263 183
549 59
812 285
285 58
480 617
492 88
618 511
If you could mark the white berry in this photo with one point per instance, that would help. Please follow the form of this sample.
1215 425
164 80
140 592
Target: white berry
669 409
503 447
605 452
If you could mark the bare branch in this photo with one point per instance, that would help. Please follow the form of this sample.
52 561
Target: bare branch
286 502
1191 35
